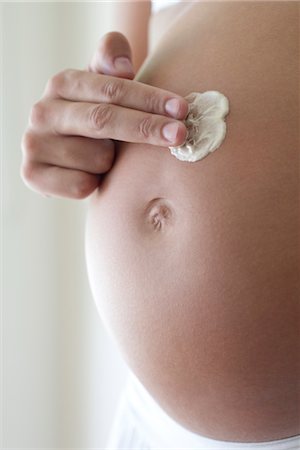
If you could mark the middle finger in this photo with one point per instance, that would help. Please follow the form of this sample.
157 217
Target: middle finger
106 121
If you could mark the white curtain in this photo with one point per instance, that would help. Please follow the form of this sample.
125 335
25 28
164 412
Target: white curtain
61 374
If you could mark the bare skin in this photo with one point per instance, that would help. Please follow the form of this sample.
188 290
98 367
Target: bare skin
195 267
69 143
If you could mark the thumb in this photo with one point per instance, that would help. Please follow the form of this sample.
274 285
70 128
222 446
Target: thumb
113 56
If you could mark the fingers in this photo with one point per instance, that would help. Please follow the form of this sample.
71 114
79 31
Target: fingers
67 146
77 85
88 155
113 56
102 121
56 181
64 166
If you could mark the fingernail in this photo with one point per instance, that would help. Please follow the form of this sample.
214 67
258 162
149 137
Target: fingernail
172 107
170 131
123 64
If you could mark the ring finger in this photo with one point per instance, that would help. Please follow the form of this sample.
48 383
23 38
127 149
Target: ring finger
102 121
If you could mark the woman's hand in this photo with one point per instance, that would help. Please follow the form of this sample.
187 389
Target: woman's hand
68 144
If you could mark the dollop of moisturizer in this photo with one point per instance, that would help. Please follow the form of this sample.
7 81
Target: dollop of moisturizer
205 124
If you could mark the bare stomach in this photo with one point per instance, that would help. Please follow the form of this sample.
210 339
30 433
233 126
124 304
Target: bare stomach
195 266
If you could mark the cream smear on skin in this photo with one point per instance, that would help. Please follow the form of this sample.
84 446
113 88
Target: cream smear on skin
205 124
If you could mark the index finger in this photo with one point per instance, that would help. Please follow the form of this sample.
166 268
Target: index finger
82 86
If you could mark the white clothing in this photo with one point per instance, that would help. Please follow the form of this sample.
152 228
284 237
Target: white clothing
140 424
157 5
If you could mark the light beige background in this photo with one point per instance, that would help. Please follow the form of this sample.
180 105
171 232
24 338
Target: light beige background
61 374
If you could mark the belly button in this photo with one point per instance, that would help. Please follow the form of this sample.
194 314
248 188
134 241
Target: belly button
158 214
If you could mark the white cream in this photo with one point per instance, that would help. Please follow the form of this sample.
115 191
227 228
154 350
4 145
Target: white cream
205 124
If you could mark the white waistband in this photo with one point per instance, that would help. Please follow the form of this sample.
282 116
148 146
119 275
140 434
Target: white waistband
157 5
162 432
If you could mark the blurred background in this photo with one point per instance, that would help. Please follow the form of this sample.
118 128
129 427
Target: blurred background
61 374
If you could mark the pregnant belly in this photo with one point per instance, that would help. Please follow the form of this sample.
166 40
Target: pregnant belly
195 272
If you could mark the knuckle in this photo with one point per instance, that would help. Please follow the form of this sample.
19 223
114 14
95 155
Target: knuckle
153 102
27 172
37 114
56 84
29 145
100 116
145 127
113 90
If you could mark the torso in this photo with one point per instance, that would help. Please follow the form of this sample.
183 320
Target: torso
205 305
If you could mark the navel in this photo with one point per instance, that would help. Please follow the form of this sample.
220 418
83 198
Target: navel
159 214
